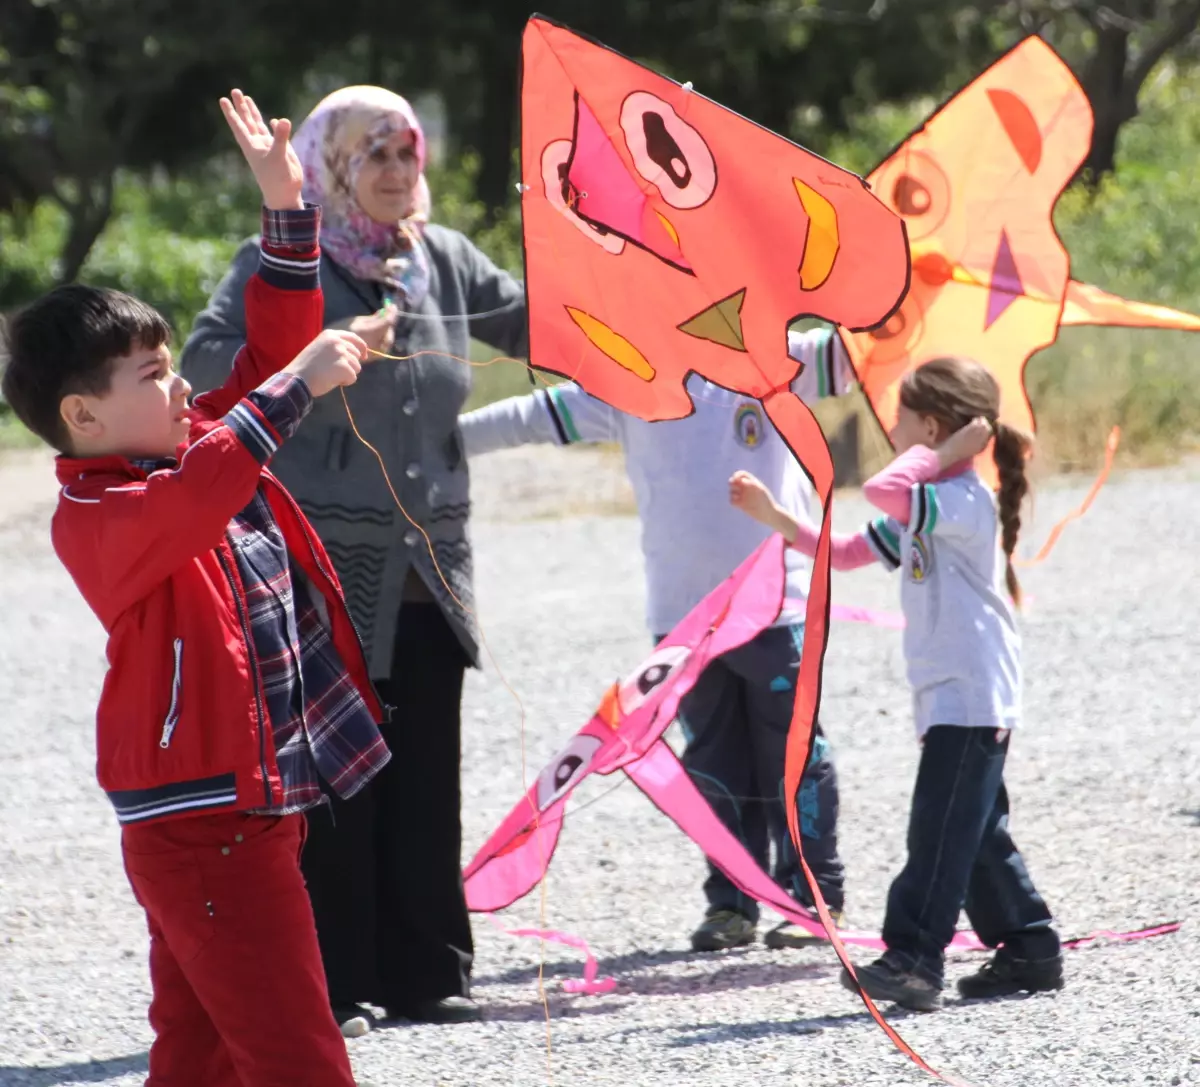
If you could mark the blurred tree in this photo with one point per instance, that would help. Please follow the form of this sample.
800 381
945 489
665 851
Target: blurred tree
88 86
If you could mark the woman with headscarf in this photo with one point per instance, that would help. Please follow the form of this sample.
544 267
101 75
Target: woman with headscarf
384 869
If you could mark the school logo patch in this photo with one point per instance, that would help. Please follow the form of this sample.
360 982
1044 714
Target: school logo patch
919 560
748 425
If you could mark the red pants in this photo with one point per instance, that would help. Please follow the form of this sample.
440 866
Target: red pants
239 990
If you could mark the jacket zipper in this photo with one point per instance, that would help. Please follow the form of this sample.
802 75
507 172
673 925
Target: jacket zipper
173 713
258 702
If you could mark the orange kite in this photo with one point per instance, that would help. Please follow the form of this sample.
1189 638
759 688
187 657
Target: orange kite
665 235
976 185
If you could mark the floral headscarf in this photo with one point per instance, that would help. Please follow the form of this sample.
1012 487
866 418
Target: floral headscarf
332 143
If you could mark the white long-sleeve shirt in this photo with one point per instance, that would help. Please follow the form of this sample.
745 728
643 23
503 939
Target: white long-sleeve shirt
692 539
941 531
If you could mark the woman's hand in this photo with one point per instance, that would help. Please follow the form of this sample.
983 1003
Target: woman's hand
377 330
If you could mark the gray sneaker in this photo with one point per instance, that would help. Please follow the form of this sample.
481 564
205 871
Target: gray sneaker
883 981
785 934
723 929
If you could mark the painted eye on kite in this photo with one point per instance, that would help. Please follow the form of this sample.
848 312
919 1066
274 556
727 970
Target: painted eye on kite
661 666
916 187
554 169
892 340
667 151
566 769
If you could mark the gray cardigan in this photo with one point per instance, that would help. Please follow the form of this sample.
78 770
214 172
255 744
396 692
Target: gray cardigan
407 410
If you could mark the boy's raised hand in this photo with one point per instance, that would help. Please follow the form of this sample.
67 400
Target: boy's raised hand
268 151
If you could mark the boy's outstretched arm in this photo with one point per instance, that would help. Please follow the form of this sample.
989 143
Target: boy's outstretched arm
121 542
284 309
560 415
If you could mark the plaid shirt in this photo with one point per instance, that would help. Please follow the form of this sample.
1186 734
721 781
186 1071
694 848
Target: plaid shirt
322 728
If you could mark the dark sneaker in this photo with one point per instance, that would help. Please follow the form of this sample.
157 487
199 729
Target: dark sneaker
353 1019
883 981
723 929
450 1009
1005 976
785 934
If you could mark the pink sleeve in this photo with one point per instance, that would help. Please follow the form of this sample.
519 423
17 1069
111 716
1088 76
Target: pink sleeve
891 489
847 552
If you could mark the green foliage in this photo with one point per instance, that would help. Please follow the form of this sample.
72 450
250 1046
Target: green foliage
456 204
1138 236
170 240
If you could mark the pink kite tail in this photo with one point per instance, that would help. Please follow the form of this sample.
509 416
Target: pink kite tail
1164 929
847 613
589 984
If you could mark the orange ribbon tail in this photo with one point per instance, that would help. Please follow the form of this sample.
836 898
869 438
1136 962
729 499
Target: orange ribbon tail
1114 440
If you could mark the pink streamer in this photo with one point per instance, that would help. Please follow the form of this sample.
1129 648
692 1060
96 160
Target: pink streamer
850 614
589 984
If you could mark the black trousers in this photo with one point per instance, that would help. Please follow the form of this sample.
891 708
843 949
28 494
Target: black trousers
962 856
735 721
384 868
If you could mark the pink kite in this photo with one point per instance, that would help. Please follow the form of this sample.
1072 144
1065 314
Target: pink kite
626 734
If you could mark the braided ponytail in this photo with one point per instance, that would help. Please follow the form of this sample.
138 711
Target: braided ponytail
1011 450
954 391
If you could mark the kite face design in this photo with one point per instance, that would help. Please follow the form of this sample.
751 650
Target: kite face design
675 236
618 729
628 726
976 185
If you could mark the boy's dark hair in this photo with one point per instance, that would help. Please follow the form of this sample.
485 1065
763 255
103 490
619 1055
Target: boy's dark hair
66 342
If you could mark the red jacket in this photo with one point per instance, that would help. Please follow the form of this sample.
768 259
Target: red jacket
151 556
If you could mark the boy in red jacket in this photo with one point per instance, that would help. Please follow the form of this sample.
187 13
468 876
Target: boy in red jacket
236 682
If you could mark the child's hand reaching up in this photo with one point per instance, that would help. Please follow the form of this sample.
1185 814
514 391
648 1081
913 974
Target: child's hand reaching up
751 496
334 358
268 151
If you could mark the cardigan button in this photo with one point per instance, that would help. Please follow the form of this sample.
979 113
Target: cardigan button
413 471
409 407
410 538
237 838
224 851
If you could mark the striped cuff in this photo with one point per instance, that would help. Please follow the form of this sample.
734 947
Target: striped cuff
826 375
884 542
560 416
292 228
289 257
924 513
270 414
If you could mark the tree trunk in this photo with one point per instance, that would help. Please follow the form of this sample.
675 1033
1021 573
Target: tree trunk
1105 83
1113 79
89 216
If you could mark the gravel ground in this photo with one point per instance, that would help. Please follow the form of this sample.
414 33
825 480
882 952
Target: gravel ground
1106 787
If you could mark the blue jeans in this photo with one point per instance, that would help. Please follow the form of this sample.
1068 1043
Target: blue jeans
735 721
960 855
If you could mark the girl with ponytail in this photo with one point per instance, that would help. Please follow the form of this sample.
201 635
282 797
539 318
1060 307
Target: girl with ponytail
953 542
